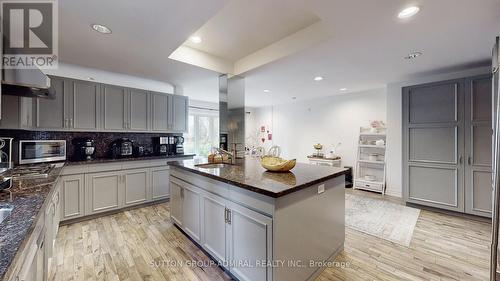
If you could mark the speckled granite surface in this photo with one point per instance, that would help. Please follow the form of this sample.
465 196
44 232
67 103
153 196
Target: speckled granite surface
250 175
109 160
28 200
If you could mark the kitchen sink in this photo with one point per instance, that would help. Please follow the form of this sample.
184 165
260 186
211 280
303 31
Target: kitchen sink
213 165
5 213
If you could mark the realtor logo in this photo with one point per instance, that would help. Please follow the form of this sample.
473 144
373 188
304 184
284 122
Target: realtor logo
29 34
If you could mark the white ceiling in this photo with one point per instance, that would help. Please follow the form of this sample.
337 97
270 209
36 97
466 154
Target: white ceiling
369 43
364 51
243 27
144 34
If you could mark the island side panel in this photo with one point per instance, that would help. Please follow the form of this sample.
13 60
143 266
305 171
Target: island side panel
309 226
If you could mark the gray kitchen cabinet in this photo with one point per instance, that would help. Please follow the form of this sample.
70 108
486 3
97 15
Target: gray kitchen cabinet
136 183
50 113
213 226
82 105
139 110
104 192
72 196
447 145
160 185
191 211
250 239
179 113
176 202
11 118
114 104
160 112
478 138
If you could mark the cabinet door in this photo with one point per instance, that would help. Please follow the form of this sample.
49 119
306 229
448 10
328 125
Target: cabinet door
478 138
433 118
136 186
72 199
160 113
179 113
84 105
191 211
10 112
176 203
249 239
160 182
50 112
103 191
139 110
114 105
28 271
213 226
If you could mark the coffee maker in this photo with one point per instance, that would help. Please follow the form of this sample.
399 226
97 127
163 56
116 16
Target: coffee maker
164 145
179 145
121 148
84 148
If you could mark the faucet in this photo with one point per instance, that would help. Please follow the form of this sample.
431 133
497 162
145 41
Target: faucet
232 154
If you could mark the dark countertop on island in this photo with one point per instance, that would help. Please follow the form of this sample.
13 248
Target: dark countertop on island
110 160
28 202
250 175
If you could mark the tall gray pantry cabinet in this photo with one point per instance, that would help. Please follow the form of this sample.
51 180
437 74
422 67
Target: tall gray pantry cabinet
447 138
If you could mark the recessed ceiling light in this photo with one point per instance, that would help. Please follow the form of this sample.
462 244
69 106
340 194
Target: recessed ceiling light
90 78
266 91
318 78
343 89
294 98
408 12
195 39
101 28
413 55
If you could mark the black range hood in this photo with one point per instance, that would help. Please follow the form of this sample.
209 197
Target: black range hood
26 83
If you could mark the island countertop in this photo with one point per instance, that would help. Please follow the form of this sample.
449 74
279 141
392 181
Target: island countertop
250 175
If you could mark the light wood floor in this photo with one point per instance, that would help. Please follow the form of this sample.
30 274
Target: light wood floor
126 246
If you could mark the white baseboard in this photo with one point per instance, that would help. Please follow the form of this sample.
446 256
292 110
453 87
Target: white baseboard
395 193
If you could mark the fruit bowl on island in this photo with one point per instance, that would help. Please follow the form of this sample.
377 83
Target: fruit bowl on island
276 164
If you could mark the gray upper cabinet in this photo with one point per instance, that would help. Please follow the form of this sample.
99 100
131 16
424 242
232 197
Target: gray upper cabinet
447 145
10 112
139 109
179 113
114 105
83 105
50 112
160 112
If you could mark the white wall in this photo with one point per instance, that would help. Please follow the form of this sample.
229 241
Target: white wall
299 125
394 124
107 77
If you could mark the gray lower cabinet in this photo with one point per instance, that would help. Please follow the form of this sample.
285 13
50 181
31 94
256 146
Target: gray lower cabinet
447 145
160 184
72 196
191 211
103 192
114 108
135 185
176 202
213 226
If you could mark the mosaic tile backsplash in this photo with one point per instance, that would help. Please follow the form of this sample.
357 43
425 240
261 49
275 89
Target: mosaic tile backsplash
102 140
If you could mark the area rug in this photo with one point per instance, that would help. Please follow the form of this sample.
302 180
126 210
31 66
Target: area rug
381 218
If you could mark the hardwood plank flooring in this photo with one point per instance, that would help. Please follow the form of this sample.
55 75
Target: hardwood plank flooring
137 245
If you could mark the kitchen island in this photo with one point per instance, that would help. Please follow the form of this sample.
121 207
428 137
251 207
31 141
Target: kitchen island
260 225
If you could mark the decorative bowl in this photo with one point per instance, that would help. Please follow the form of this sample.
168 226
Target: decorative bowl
318 146
276 164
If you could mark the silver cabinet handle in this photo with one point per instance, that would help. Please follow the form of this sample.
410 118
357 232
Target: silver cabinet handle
460 159
228 216
225 215
469 160
71 122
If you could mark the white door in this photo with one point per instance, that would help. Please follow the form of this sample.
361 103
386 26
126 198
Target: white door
176 203
249 240
136 186
160 177
191 211
213 225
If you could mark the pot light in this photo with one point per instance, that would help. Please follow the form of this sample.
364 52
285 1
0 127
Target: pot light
318 78
266 91
294 98
408 12
413 55
195 39
90 78
343 89
101 28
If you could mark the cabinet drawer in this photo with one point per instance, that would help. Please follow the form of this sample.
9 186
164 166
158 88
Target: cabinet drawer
369 185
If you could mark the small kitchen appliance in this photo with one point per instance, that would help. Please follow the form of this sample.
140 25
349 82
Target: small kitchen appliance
161 145
179 145
40 151
84 148
122 147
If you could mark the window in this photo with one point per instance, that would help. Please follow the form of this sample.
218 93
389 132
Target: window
203 133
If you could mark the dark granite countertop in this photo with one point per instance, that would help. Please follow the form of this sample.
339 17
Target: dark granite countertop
28 202
110 160
250 175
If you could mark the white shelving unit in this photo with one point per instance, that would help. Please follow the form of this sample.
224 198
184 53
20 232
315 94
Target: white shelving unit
370 161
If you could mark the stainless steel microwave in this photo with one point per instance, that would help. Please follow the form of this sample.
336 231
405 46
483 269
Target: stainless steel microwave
39 151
